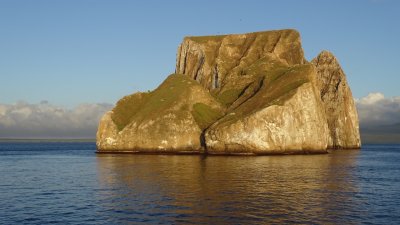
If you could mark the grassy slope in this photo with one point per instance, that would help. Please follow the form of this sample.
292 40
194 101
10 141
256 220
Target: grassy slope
278 85
205 115
227 97
127 107
172 91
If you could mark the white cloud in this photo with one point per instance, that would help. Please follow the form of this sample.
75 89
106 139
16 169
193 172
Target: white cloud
44 120
375 110
371 98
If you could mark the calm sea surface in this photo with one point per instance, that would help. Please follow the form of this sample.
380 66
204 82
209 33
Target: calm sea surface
67 183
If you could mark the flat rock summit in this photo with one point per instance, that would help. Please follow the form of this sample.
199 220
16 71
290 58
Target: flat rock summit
249 94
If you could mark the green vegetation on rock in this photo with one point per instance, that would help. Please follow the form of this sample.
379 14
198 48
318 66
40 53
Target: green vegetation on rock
275 87
229 96
140 106
280 84
205 115
127 107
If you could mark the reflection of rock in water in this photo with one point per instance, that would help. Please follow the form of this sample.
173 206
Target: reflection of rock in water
230 189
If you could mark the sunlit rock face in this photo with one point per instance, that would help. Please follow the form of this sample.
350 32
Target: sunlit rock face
296 126
338 102
238 94
221 62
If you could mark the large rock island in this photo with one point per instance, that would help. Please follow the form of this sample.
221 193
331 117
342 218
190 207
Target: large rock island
249 93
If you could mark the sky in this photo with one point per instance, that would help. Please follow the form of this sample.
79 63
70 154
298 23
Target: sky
76 55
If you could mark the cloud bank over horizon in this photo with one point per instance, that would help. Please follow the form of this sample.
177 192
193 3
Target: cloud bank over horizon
376 110
45 120
379 119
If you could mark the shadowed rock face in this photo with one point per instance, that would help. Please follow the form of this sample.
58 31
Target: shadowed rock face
239 94
338 102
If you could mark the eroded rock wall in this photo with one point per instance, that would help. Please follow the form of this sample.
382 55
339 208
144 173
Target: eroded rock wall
338 102
215 61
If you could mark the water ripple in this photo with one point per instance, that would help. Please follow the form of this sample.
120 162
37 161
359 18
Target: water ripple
66 183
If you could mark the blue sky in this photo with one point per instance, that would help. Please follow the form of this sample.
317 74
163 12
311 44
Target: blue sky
94 51
64 63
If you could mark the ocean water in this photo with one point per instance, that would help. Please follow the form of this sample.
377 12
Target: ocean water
67 183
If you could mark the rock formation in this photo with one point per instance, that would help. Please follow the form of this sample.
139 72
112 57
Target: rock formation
338 102
238 94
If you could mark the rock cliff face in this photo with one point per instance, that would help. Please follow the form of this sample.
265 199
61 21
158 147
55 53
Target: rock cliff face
338 102
238 94
219 61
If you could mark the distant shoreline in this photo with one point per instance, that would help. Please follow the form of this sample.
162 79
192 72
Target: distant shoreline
47 140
